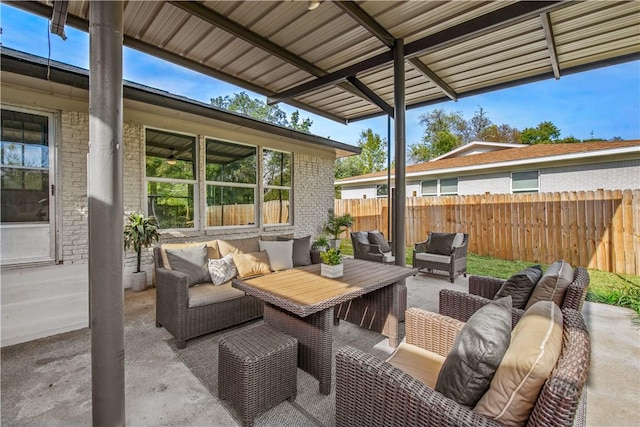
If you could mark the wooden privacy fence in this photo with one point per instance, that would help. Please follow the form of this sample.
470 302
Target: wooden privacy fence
595 229
273 212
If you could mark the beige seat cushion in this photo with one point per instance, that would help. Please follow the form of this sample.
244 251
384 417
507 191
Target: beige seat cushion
239 246
553 284
425 256
388 257
421 364
535 346
212 250
208 293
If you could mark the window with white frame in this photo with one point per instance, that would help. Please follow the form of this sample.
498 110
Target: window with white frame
449 187
171 174
382 190
525 182
276 181
439 187
231 171
429 188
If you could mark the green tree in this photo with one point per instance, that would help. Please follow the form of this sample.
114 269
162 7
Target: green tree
372 158
258 109
544 133
443 132
500 133
478 125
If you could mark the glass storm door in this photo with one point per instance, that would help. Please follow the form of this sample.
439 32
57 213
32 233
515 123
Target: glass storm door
26 178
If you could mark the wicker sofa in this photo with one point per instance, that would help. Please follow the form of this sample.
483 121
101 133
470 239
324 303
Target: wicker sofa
461 305
190 311
445 252
372 392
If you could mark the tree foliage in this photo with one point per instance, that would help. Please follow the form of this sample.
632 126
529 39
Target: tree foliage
258 109
544 133
372 158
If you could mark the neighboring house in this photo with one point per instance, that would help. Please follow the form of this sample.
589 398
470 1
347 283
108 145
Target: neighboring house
498 168
205 172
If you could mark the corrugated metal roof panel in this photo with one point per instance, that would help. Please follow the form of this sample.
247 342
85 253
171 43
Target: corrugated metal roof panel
328 39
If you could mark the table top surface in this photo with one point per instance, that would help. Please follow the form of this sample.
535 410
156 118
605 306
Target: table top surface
303 291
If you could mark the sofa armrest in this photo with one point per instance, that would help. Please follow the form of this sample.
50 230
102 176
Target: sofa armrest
461 306
367 252
431 331
374 393
486 287
172 296
421 246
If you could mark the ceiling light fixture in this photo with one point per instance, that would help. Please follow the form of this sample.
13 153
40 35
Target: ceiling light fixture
313 4
171 160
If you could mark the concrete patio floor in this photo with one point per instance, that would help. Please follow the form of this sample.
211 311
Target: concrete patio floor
47 382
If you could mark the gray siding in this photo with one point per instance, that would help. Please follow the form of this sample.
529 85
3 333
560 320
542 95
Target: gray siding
624 175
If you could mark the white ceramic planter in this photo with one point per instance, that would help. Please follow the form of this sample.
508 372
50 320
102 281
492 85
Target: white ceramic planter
139 281
331 271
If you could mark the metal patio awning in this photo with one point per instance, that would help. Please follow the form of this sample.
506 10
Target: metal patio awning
336 60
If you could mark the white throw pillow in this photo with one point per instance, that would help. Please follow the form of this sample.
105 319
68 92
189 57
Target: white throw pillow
280 254
222 270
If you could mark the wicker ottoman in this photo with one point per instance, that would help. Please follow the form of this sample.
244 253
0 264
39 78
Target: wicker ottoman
257 369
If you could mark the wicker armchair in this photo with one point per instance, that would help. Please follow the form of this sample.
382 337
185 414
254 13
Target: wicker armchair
454 264
461 305
368 251
371 392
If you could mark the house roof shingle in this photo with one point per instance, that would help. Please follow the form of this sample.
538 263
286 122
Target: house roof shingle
496 158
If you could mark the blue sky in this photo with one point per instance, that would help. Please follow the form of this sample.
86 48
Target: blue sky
605 101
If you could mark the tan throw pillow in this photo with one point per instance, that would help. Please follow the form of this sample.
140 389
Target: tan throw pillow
553 284
535 346
252 264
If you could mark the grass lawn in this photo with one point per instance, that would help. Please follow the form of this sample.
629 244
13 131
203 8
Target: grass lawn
608 288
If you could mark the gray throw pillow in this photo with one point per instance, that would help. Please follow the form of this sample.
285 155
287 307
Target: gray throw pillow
441 243
301 250
376 238
361 236
520 286
476 353
192 261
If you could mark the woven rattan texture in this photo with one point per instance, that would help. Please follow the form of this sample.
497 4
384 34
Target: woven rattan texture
461 306
257 370
184 322
370 392
457 261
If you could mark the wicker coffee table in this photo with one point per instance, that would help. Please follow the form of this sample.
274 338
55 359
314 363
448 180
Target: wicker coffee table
300 303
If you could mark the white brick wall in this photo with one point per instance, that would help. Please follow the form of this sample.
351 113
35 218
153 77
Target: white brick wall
312 189
74 137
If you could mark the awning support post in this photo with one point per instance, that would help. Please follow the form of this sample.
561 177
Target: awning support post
400 201
105 201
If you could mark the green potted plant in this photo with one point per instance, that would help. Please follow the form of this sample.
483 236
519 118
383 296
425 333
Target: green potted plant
335 225
140 232
321 243
331 266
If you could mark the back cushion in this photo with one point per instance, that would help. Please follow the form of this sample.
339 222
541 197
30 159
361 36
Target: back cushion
239 246
361 236
520 286
301 249
376 238
441 243
212 250
535 346
457 241
192 261
553 284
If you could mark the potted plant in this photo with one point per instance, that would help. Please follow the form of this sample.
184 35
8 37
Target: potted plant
140 232
331 266
321 243
335 225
